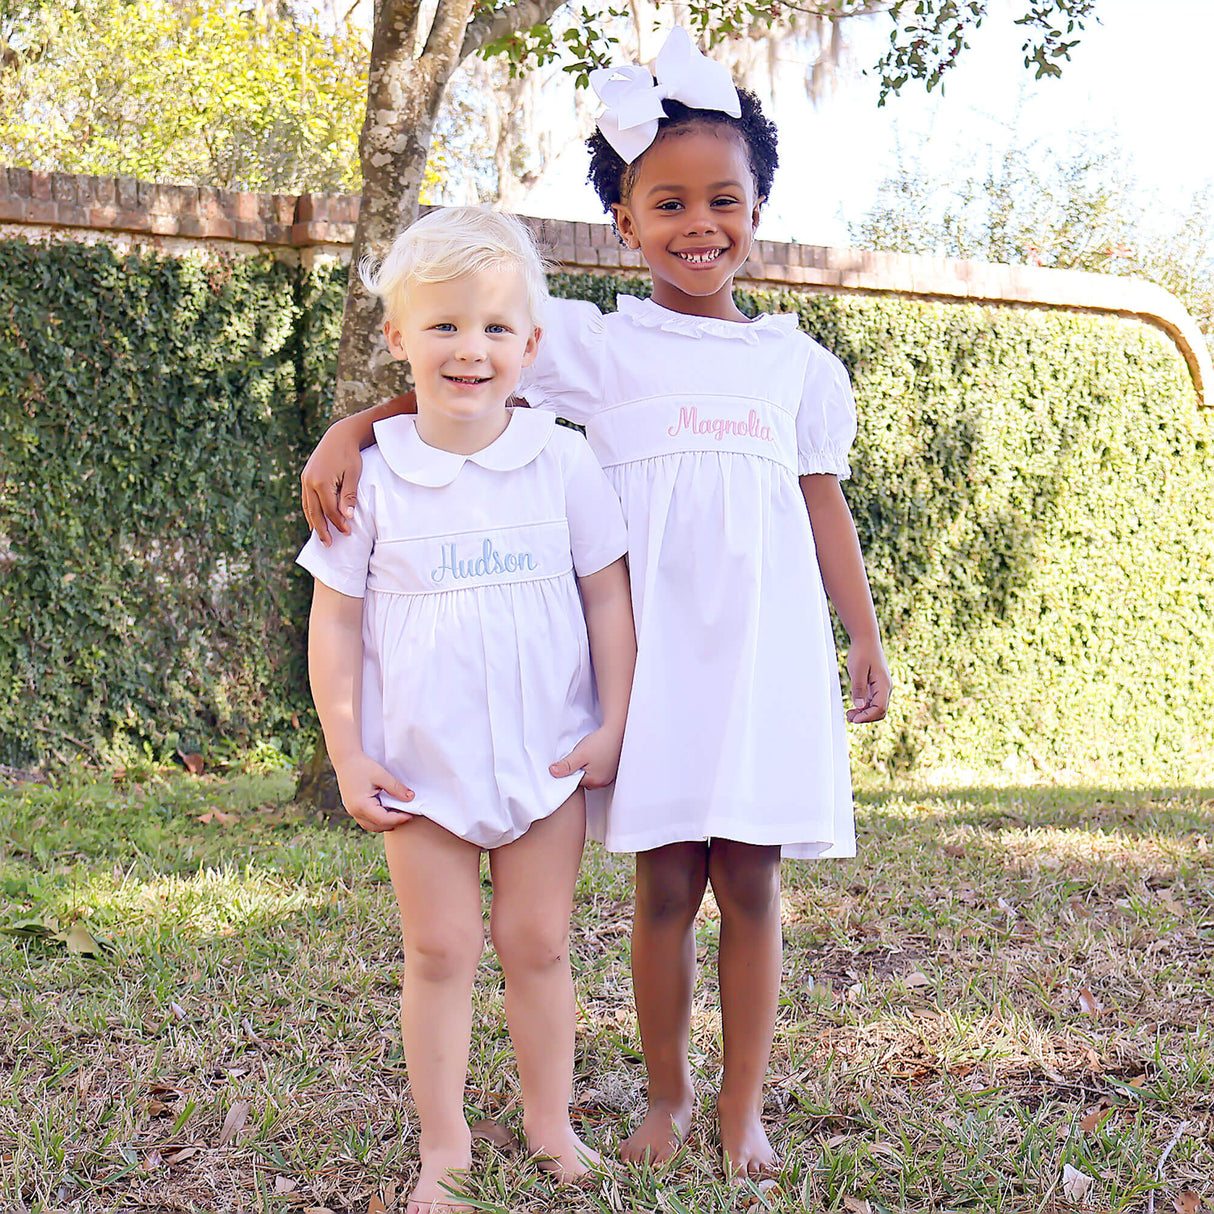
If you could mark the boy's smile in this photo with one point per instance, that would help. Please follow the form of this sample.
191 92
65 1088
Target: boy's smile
692 212
466 340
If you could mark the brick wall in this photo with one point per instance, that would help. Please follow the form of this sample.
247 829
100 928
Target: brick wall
126 211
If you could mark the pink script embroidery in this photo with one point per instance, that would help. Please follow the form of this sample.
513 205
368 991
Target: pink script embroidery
719 427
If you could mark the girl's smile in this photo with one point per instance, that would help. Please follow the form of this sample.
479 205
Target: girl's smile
692 211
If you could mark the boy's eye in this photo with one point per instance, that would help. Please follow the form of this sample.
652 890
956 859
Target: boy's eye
444 326
495 328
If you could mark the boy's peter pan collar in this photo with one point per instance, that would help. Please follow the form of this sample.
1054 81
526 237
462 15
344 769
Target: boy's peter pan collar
525 436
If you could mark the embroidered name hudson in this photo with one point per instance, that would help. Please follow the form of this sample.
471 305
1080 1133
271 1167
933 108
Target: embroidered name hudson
719 427
488 563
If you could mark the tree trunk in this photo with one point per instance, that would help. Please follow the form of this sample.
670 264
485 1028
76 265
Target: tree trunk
404 91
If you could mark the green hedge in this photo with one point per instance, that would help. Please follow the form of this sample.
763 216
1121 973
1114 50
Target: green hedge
1032 490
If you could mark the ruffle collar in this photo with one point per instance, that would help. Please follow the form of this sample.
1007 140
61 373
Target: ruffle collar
649 315
525 436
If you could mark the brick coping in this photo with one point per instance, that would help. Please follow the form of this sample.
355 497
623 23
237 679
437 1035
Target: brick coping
160 214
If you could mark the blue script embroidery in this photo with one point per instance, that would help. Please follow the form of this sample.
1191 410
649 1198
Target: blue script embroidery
718 427
488 563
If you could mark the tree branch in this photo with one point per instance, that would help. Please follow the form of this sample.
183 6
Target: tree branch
497 24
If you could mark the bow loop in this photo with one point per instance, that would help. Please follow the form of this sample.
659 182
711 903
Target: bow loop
633 98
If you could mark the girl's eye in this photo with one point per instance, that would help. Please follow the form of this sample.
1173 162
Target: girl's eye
496 329
724 201
444 326
671 204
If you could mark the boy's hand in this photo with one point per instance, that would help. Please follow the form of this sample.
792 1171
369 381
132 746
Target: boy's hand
329 482
870 682
597 754
361 780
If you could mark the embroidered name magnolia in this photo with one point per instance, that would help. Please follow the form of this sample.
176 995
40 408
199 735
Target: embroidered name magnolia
719 427
489 562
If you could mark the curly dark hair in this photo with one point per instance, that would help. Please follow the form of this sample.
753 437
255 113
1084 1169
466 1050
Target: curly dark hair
613 179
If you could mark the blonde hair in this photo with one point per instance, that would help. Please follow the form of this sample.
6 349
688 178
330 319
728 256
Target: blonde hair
450 243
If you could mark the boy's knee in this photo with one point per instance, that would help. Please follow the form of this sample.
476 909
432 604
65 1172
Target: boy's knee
529 946
443 956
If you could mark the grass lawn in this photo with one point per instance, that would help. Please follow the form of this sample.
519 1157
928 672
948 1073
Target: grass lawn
1005 1004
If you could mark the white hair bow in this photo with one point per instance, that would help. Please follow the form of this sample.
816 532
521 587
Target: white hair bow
634 98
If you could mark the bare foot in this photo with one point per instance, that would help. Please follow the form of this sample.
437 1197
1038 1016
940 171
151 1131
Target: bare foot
442 1170
745 1149
657 1139
561 1152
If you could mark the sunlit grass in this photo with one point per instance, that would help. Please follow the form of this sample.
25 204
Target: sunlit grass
996 965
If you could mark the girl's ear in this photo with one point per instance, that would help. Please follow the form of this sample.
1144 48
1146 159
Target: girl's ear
396 342
624 225
756 213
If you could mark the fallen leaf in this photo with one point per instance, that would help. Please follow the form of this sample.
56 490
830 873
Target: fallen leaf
177 1010
1089 1005
1091 1123
182 1155
1138 1081
1187 1202
283 1185
157 1108
857 1205
233 1123
151 1161
375 1205
955 850
1075 1183
917 978
493 1132
80 940
1006 907
193 762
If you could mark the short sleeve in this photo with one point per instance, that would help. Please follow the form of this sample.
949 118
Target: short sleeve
597 535
343 565
826 418
566 377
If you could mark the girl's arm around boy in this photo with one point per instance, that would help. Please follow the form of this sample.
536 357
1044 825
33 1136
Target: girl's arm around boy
607 604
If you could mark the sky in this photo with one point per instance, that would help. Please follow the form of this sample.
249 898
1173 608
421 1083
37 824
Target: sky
1146 80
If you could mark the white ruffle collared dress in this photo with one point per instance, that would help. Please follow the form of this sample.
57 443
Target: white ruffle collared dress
476 665
735 726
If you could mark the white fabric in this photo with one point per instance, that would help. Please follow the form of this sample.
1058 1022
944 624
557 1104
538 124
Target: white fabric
476 667
735 727
633 98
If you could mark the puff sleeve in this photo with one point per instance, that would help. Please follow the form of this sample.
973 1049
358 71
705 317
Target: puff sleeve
597 535
566 377
826 417
343 565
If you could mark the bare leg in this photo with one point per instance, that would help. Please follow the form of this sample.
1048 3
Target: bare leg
746 882
670 887
436 877
534 879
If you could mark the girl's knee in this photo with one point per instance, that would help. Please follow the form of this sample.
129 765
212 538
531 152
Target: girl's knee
443 956
747 882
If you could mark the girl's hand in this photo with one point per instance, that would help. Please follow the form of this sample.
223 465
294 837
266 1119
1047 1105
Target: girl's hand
597 754
329 481
361 780
870 682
